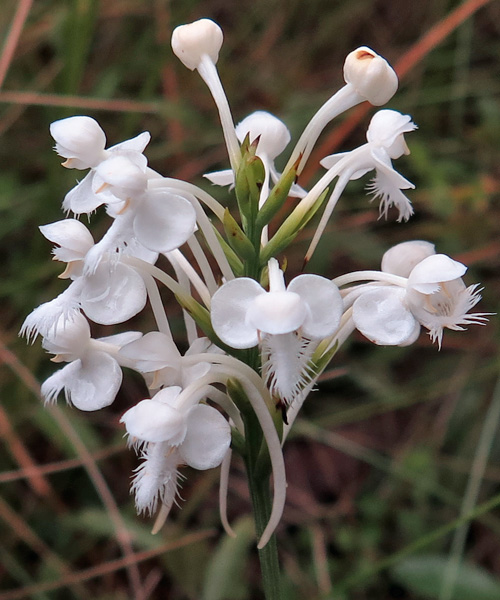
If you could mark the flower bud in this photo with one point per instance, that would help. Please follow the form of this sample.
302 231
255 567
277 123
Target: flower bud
371 75
190 42
79 139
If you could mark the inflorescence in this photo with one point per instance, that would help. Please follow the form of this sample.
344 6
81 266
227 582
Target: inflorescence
255 342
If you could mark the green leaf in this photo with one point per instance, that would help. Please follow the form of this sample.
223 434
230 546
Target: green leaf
232 258
225 577
423 576
236 238
248 183
288 230
276 198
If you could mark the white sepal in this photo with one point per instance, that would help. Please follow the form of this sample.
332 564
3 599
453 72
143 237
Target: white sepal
79 139
71 235
164 221
381 316
229 308
156 421
402 258
207 440
324 302
113 294
430 272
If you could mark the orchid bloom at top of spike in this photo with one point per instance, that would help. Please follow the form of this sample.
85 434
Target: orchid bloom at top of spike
385 142
432 294
197 46
369 77
273 137
283 320
82 142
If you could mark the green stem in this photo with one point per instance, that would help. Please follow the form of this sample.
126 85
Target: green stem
268 556
260 494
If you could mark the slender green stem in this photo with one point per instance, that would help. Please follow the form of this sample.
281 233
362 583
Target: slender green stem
268 556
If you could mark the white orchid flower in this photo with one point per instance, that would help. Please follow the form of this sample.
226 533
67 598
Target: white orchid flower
172 435
93 376
433 296
385 141
273 137
159 218
284 321
82 142
113 293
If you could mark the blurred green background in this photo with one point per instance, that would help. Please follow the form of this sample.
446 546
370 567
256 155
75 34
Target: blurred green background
396 444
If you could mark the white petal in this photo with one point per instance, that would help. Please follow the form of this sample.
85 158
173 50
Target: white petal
96 382
381 316
54 385
152 352
164 221
225 177
135 144
229 307
277 312
402 258
71 235
69 338
324 301
113 294
384 129
207 438
383 164
121 339
123 171
79 137
156 479
428 273
154 421
81 199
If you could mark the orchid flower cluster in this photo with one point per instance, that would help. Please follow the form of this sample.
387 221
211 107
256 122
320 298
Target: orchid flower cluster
257 343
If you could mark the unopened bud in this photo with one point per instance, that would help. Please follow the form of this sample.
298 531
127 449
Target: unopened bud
190 42
371 75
